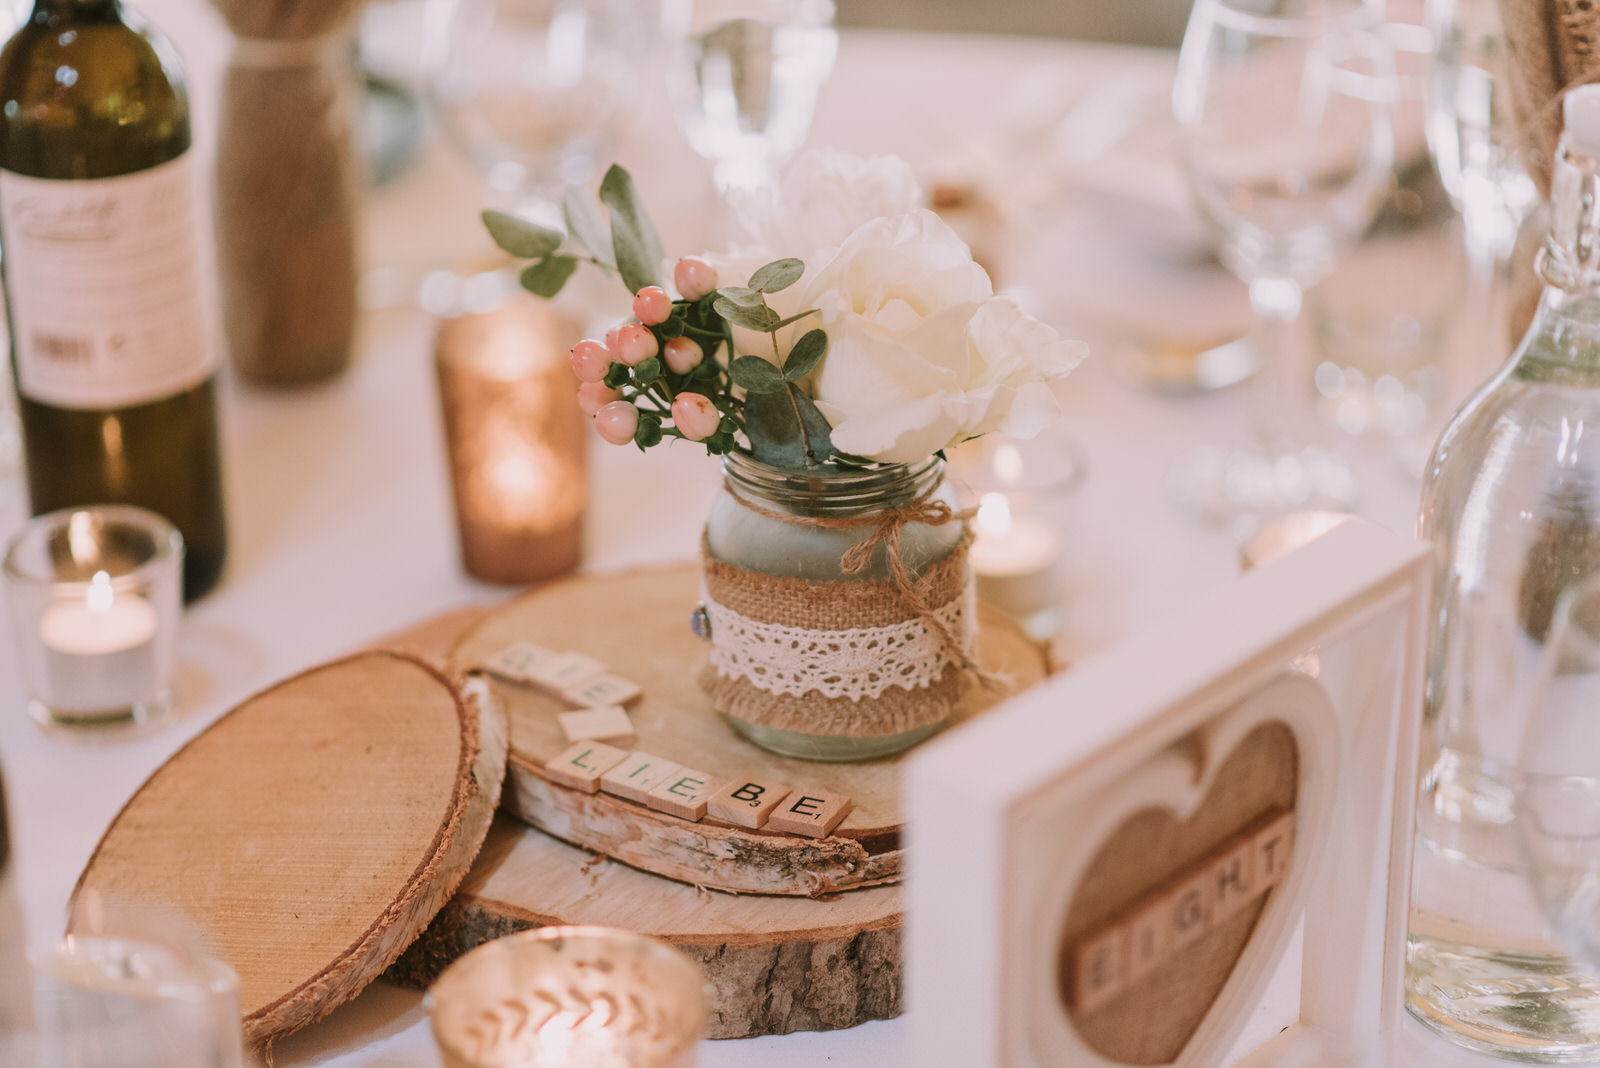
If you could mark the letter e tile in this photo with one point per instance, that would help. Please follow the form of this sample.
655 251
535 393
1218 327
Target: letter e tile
1102 969
684 794
813 813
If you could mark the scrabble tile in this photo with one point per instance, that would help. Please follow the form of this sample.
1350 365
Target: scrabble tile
1233 879
684 794
747 802
581 766
564 671
609 724
602 690
514 662
636 776
1102 969
1274 850
813 813
1149 939
1189 910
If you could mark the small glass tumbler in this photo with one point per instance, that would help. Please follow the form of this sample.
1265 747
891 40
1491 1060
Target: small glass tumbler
96 596
1021 492
111 1002
570 997
516 439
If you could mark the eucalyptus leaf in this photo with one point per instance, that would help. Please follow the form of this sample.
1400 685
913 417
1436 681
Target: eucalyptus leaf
773 430
777 275
756 375
646 371
585 226
761 317
805 355
743 296
818 432
523 239
546 277
633 236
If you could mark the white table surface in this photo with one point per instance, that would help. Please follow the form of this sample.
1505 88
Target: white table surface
338 502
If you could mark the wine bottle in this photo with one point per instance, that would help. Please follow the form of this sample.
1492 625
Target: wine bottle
114 359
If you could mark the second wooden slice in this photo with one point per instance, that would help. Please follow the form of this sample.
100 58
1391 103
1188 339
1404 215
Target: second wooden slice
637 622
314 831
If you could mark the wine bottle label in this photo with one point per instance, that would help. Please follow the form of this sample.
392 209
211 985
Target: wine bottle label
104 286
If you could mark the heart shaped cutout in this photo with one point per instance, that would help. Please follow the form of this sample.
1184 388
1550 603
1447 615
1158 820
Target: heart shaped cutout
1165 910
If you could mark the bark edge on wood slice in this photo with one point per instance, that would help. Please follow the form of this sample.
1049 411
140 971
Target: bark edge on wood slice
778 964
314 830
637 622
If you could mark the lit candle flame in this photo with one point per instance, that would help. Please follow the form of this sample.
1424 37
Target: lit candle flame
100 593
994 514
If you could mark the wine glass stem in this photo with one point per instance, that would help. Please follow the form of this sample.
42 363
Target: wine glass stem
1276 303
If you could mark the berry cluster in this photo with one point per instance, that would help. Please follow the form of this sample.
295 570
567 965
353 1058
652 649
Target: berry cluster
662 367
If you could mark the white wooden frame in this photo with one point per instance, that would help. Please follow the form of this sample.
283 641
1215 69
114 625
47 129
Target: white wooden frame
1005 812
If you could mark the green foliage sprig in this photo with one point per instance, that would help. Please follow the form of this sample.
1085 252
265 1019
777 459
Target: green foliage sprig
763 402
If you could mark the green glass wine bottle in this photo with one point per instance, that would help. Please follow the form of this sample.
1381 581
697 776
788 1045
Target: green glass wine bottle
114 356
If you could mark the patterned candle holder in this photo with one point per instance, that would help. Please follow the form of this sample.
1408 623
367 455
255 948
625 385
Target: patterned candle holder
516 438
570 997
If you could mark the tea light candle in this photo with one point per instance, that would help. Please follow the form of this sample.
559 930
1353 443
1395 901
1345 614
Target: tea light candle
1013 558
570 997
100 648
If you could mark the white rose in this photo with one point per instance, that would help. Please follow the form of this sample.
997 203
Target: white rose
823 198
921 355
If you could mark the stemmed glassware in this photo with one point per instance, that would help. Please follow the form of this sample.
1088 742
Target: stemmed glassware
537 92
744 77
1282 107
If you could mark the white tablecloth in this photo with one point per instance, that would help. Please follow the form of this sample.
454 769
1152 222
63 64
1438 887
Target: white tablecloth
341 521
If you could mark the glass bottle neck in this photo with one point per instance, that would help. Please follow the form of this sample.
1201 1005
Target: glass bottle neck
57 11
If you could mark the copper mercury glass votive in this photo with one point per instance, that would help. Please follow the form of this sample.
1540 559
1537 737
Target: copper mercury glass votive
516 439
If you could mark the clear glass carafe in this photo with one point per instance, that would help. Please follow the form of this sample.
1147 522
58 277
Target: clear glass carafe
1511 505
759 522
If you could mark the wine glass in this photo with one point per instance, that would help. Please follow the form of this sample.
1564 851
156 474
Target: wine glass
1282 108
1558 792
537 93
744 76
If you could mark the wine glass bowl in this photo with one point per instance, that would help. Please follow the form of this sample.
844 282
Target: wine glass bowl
744 78
537 93
1286 140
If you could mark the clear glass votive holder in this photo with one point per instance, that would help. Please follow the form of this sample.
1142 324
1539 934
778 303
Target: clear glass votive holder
96 595
570 997
113 1002
516 439
1021 495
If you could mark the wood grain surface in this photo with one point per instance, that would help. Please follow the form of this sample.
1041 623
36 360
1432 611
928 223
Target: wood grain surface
638 623
312 832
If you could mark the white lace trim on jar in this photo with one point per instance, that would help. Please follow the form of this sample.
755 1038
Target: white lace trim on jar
858 663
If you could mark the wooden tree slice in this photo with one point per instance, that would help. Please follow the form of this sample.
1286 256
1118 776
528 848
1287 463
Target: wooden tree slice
779 964
637 622
312 832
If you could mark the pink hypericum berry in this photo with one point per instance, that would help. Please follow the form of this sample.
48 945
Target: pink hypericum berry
651 305
694 277
590 360
611 339
695 416
635 343
592 396
617 421
682 355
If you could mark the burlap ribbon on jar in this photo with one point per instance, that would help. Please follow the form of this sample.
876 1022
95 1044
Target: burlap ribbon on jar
855 658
